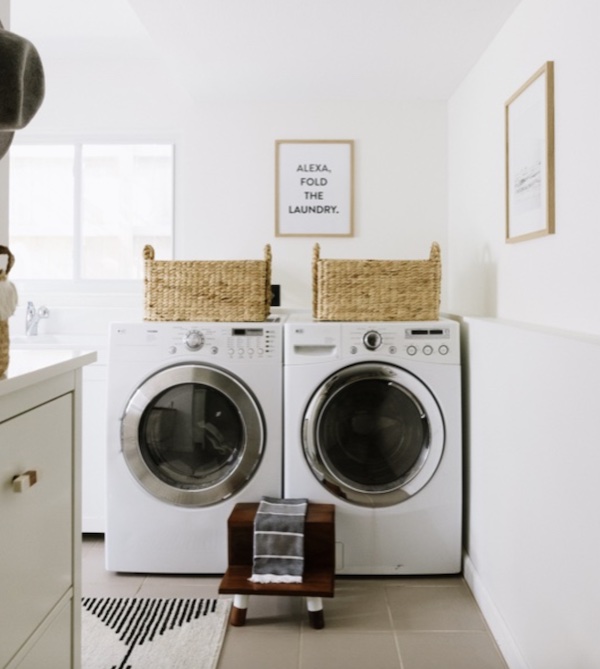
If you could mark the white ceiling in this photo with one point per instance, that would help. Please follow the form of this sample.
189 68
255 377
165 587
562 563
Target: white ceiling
281 49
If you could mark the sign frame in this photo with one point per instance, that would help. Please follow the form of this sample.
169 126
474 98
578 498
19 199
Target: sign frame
314 188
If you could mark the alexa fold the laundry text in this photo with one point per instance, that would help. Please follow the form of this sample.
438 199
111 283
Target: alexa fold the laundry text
307 182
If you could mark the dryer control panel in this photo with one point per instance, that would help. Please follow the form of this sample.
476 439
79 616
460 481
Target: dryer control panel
437 343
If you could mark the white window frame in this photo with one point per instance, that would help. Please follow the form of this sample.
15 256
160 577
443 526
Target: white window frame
78 285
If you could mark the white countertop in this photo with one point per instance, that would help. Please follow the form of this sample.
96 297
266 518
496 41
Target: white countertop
31 366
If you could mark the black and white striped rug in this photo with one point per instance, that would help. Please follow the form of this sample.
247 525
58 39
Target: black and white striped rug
152 633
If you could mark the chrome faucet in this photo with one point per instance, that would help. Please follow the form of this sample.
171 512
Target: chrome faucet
32 318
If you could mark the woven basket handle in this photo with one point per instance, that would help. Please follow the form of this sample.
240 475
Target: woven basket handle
5 251
435 252
148 252
268 261
315 278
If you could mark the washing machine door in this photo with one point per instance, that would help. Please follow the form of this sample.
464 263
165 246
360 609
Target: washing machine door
373 434
192 435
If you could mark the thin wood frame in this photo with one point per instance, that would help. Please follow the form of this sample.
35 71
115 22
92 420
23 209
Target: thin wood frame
314 188
529 167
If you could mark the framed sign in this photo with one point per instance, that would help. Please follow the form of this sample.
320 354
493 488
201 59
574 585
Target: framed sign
314 188
529 133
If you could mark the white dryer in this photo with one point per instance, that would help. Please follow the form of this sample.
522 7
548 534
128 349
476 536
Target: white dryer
372 424
194 426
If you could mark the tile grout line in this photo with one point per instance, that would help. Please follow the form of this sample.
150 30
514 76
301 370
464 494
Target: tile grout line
393 629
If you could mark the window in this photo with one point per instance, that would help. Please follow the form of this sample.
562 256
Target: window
84 212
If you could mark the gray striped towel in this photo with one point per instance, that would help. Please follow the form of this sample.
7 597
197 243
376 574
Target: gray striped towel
279 541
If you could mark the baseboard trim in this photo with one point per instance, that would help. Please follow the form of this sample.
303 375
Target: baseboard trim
501 633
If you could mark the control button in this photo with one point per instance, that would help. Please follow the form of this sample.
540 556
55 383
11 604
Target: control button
353 350
372 340
427 350
214 350
240 351
392 350
231 351
194 340
443 349
172 349
250 351
411 350
260 351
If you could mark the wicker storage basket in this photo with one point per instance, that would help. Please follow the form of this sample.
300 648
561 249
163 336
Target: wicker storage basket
207 290
377 290
4 338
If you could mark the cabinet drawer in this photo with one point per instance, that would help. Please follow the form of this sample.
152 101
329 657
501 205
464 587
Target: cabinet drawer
35 524
53 650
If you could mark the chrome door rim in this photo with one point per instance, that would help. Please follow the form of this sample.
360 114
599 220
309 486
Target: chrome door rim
417 478
250 452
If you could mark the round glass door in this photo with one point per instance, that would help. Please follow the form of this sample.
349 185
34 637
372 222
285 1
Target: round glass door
373 434
192 435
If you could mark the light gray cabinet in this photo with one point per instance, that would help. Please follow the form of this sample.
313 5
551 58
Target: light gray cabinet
40 514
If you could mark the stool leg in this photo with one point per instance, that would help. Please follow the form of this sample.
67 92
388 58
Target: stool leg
315 612
237 617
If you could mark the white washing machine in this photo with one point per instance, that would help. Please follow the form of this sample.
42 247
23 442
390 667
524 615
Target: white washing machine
194 427
372 424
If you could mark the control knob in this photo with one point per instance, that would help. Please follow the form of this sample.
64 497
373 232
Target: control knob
194 340
372 340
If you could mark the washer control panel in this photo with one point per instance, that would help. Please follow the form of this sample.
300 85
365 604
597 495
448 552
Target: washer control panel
208 341
431 342
229 342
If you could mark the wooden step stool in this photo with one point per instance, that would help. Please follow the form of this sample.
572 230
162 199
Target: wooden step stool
319 562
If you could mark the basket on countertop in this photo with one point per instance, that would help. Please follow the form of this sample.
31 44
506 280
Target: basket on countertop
206 290
8 303
377 290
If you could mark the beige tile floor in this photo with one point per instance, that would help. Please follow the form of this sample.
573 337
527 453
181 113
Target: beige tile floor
371 623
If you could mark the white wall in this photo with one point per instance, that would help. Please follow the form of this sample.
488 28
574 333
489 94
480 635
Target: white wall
5 18
533 537
554 280
531 423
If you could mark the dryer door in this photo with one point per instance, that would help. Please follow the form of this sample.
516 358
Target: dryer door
192 435
373 434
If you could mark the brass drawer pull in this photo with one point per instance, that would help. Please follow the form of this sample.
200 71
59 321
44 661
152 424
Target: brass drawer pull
24 481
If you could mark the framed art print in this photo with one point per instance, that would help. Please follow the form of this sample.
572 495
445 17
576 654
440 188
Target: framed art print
529 135
314 188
